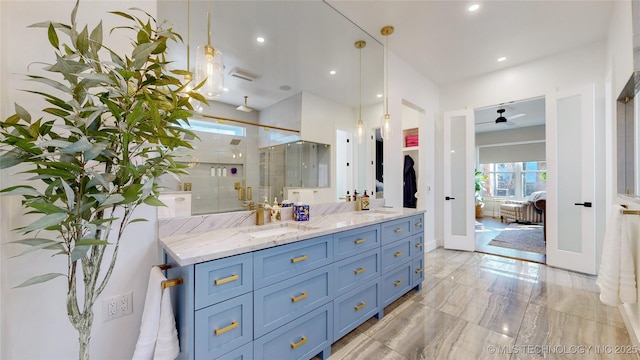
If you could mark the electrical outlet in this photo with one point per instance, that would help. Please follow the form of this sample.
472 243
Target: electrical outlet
117 306
125 304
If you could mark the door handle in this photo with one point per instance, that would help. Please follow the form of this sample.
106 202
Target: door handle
449 198
585 204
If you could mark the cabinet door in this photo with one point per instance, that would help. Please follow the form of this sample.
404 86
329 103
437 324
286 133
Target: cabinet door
223 327
223 279
355 307
396 254
356 241
395 230
396 283
356 270
282 262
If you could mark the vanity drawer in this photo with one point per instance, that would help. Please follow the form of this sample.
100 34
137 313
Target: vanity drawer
417 224
356 270
282 262
396 254
244 352
223 327
280 303
302 338
395 230
222 279
417 244
395 284
355 307
352 242
417 271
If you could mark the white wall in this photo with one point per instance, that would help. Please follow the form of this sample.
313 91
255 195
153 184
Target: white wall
409 88
34 320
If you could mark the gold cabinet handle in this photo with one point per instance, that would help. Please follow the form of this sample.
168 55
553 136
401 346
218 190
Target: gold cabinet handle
231 278
398 230
398 254
360 306
299 258
397 283
300 297
418 271
419 245
359 271
359 241
302 341
419 223
226 328
179 199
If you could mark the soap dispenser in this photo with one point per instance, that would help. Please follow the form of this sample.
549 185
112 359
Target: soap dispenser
365 201
275 211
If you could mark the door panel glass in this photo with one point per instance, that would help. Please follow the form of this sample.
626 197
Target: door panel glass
458 176
569 127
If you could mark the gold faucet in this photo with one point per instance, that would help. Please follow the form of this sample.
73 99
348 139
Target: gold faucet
249 206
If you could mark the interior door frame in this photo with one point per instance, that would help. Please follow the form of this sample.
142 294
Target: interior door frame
459 242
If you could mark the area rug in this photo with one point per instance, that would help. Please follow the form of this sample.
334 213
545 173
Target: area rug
521 237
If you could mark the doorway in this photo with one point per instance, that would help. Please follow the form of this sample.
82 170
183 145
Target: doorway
510 158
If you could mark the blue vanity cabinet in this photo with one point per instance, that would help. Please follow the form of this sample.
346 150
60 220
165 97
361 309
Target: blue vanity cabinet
292 301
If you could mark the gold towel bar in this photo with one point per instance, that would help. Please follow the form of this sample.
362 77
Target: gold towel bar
171 282
629 212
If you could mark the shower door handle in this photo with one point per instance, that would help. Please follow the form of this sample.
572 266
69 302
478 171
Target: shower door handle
585 204
449 198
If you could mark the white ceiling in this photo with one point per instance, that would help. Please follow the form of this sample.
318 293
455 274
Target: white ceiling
440 39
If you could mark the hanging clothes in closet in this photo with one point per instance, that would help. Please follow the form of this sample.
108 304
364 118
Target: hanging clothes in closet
410 184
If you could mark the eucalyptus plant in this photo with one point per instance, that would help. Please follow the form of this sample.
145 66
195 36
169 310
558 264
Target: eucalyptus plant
110 129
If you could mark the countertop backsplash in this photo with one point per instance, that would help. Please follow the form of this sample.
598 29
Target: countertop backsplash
203 223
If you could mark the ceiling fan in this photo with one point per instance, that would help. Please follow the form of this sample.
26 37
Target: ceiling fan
501 119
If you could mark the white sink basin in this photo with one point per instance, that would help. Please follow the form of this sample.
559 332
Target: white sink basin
275 229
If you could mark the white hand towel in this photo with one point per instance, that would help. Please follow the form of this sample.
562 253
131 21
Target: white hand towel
167 345
617 275
609 275
150 317
628 290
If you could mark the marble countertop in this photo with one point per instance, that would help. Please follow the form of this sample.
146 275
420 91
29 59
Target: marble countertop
192 248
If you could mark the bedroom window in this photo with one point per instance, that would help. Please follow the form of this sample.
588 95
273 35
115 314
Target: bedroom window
514 180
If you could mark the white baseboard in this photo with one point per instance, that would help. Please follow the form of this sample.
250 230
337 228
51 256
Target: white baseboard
430 245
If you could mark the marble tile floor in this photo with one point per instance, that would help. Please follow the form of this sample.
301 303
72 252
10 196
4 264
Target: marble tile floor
480 306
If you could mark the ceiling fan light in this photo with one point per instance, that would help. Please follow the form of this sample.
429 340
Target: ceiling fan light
501 119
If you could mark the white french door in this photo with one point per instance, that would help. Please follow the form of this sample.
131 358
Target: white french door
459 188
571 165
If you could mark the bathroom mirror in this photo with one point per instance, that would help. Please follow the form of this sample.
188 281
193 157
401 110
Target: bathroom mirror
304 41
627 171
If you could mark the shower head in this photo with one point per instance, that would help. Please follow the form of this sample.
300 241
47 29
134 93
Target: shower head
244 107
234 142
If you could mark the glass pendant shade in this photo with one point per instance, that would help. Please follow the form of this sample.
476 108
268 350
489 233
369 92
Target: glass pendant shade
385 127
360 132
209 67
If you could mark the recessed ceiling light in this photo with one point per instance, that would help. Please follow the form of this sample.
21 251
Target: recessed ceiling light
501 59
225 89
260 39
379 95
474 7
332 72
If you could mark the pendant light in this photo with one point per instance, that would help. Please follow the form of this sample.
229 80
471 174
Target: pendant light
188 78
385 126
360 44
209 66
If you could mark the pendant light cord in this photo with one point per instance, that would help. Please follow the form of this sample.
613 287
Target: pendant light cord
386 74
360 88
209 23
189 36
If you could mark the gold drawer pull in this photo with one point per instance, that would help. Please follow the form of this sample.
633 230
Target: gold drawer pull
298 298
359 271
361 306
302 341
231 278
180 199
419 245
398 230
418 271
397 283
226 328
300 258
419 223
359 241
398 254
